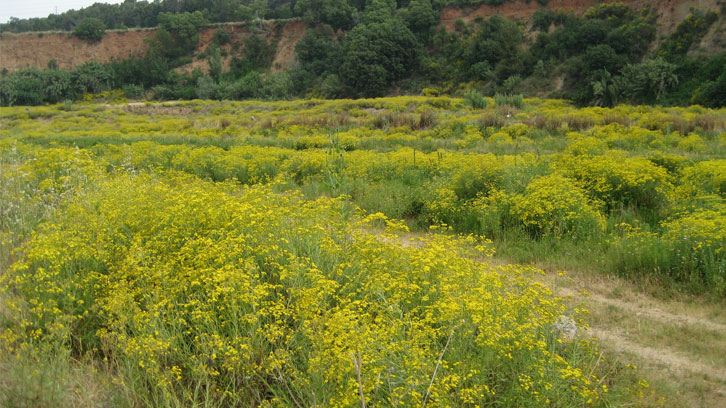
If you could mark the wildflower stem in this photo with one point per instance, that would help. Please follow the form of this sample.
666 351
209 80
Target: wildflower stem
436 369
357 362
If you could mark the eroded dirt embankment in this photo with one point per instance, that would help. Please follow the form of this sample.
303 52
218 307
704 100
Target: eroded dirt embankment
37 50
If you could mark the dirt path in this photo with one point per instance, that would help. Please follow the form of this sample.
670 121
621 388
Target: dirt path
653 313
664 357
680 345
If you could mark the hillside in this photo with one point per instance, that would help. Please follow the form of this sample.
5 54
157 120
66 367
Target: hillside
670 12
37 50
591 52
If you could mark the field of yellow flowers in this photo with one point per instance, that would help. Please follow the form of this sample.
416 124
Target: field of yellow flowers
247 253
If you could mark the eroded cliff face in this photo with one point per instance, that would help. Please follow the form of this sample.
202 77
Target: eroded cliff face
36 50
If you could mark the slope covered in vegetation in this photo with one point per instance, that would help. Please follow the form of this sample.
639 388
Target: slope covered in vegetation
608 55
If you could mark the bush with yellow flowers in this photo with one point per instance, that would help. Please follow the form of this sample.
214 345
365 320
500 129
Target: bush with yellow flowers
706 177
198 293
554 205
618 180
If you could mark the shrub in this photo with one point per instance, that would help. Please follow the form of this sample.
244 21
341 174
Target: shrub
476 100
554 205
477 177
689 251
616 180
706 177
181 285
221 36
177 35
91 29
515 101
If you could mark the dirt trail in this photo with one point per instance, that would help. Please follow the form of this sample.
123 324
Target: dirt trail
671 360
652 313
665 350
657 335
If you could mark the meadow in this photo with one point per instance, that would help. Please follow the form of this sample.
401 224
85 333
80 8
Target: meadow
253 253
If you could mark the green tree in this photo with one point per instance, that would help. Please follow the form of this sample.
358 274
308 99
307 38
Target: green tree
8 91
336 13
606 90
29 87
215 63
420 18
206 87
318 51
377 54
713 93
649 81
378 11
177 34
496 45
92 77
91 29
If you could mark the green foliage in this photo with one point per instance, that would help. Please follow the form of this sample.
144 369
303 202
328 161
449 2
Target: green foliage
688 32
28 88
246 87
701 81
476 100
712 93
91 29
206 87
148 71
542 19
603 56
420 18
515 101
92 77
177 34
277 86
496 43
376 54
221 36
254 10
133 91
336 13
215 63
600 55
34 87
378 11
258 55
318 51
647 82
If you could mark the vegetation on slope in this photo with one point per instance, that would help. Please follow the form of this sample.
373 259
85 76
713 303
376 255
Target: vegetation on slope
604 58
